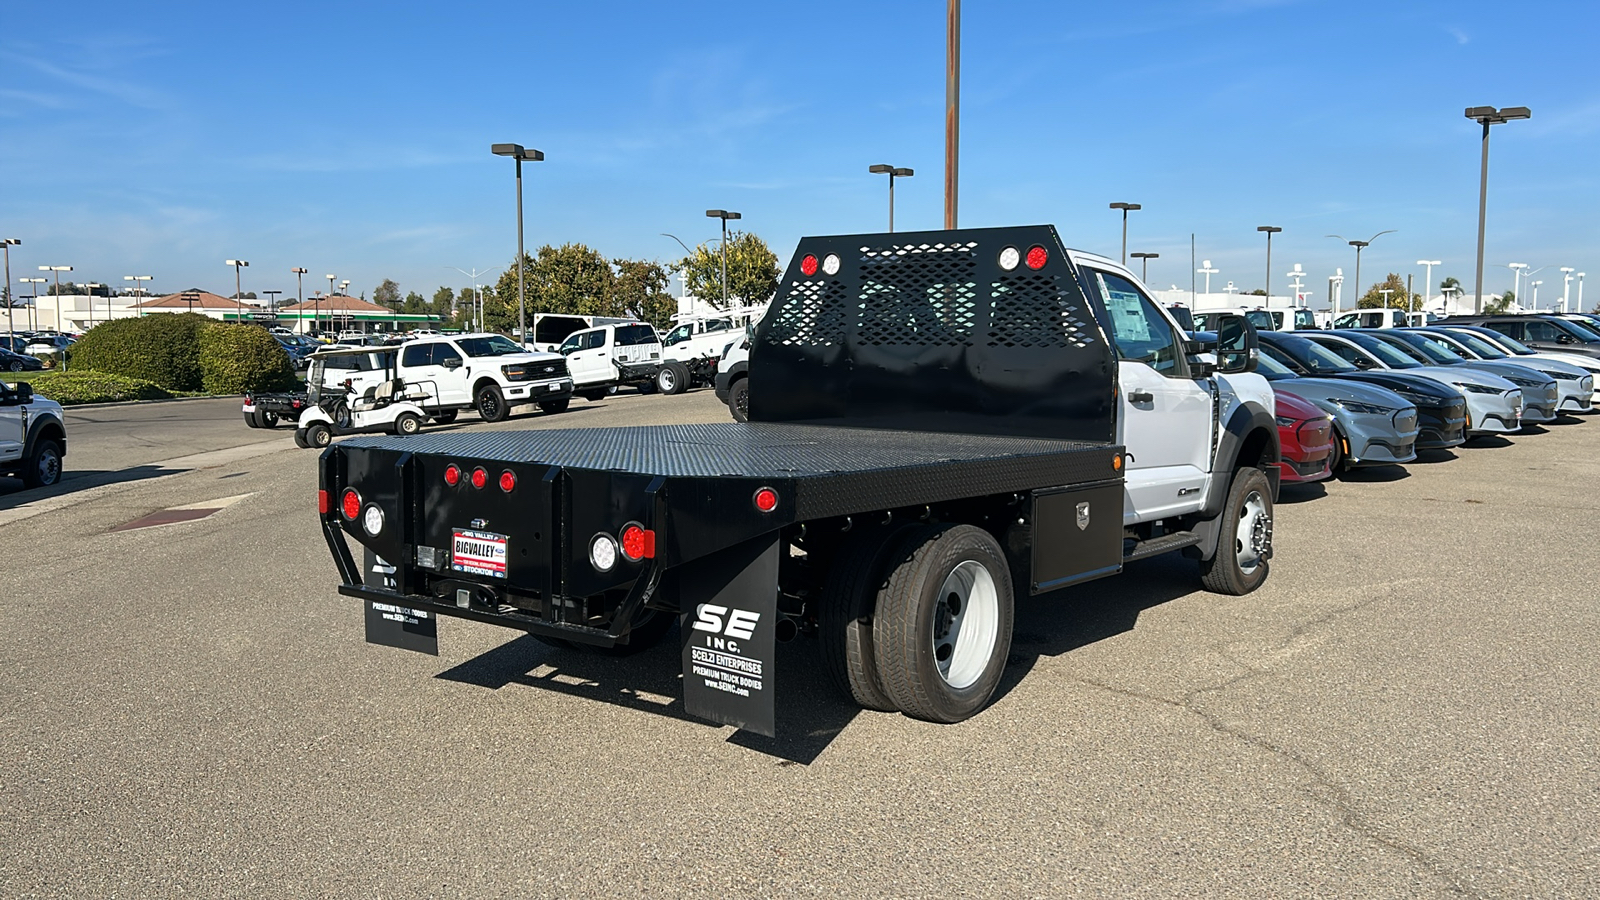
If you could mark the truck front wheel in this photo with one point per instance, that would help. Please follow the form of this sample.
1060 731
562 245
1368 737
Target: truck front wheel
491 404
942 629
43 467
555 406
739 400
1244 537
672 378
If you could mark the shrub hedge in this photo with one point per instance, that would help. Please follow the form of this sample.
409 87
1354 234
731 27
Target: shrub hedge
163 348
76 387
239 358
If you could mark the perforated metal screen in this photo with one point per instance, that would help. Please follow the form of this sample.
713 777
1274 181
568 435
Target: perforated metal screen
927 330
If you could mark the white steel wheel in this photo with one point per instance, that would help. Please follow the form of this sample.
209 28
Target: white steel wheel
966 624
1253 537
1244 537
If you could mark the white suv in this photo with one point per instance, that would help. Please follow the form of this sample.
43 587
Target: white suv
33 436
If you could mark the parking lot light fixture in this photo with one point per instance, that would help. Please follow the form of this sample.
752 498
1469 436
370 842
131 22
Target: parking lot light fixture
1487 116
11 330
724 215
1270 230
1144 264
88 291
1566 287
893 173
57 270
1125 207
1361 245
1534 287
33 307
1207 270
1427 279
520 154
300 296
238 290
1580 292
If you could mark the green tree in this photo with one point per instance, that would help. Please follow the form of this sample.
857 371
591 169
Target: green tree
1451 283
443 304
641 290
1399 298
752 271
1499 306
387 293
1258 292
414 304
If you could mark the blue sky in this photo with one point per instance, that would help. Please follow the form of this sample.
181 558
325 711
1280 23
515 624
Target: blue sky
354 138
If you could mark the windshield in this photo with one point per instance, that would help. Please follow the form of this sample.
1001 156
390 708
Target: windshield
1587 330
1508 342
1272 370
1480 346
1318 360
1387 353
493 345
1262 319
1303 319
1428 350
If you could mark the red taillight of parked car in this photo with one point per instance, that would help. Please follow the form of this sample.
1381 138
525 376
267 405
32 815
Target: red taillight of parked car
452 475
350 504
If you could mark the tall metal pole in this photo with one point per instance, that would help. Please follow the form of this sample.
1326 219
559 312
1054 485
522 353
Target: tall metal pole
11 330
724 262
1270 231
1125 237
891 203
1358 274
522 310
1483 213
952 110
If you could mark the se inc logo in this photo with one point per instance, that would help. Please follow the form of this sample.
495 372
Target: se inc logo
721 620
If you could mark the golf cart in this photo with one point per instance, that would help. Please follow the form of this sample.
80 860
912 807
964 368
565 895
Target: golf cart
371 398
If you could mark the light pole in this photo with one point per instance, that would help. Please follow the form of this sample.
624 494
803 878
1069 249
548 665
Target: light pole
477 299
1269 230
1535 286
238 289
318 311
88 291
724 215
1385 292
1144 264
519 153
1125 207
952 108
33 308
893 173
300 298
272 302
1361 245
11 330
1486 116
344 288
1516 278
1207 271
1335 294
1580 292
1296 275
1427 279
137 290
57 270
1566 287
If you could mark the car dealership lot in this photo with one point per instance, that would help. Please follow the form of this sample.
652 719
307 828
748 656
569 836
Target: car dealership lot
1406 708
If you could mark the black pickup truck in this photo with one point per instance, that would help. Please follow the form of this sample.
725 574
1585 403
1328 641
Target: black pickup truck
933 427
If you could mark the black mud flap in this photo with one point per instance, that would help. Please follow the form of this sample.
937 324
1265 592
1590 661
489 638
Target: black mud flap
395 626
729 624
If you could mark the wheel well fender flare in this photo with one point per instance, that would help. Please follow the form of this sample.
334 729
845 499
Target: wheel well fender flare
47 428
1249 439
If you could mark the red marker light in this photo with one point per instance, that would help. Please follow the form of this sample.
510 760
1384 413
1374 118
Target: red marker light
1037 257
350 504
766 499
324 503
479 477
508 481
638 543
452 475
808 265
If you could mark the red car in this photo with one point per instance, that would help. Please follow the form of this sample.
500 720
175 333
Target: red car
1306 433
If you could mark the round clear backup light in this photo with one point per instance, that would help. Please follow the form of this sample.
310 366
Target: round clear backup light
603 552
1010 258
372 520
830 264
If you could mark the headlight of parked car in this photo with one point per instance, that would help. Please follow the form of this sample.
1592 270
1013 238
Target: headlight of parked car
1365 409
1476 388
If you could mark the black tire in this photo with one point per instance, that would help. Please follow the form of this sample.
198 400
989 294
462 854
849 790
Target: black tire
341 414
594 396
267 418
739 400
555 406
446 417
15 365
407 424
300 439
250 420
672 378
318 436
844 618
647 387
1244 537
43 466
1336 458
491 404
926 667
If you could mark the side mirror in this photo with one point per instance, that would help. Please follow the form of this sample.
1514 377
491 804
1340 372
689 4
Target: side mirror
1237 346
1363 363
452 362
1566 339
23 393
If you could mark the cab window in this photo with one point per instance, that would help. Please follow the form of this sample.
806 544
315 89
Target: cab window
572 344
1543 331
1303 319
417 355
634 335
1138 329
678 335
443 353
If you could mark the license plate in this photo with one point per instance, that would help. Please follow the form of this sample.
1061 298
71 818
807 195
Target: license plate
478 552
554 387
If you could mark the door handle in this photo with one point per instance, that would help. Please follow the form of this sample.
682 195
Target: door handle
1141 397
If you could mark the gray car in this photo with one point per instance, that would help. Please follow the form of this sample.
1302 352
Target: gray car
1520 351
1494 405
1574 386
1540 394
1372 426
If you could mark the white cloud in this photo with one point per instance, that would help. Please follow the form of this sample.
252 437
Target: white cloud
1461 36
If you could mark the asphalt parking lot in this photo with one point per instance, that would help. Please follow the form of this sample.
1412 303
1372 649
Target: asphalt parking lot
1408 708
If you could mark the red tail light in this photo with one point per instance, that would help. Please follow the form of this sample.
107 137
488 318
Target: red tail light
808 265
324 503
508 481
479 478
350 504
452 475
766 499
638 543
1037 257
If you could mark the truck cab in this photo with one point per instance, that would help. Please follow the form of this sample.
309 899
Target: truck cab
606 356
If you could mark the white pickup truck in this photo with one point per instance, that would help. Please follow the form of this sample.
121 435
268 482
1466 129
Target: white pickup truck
33 438
605 357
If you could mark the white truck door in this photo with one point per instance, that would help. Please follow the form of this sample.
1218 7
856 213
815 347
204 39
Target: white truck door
589 357
11 437
421 372
448 368
1164 416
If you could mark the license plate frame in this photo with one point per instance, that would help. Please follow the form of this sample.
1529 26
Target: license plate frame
483 553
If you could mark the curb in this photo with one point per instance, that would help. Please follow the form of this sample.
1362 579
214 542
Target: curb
65 408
